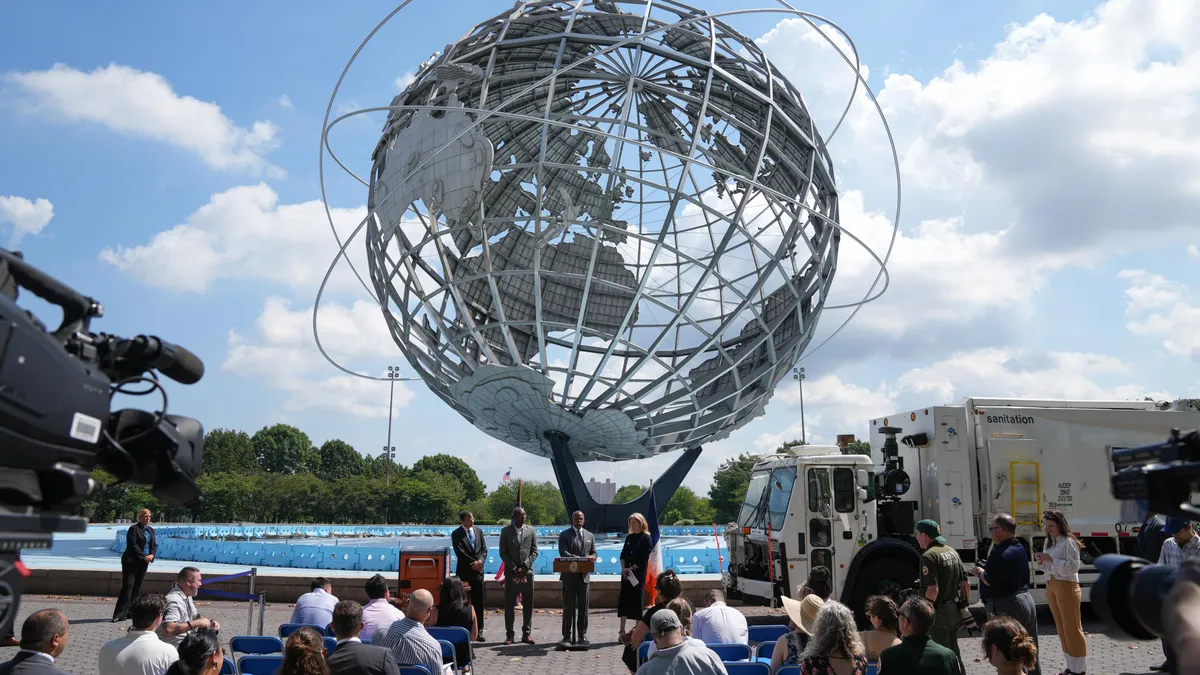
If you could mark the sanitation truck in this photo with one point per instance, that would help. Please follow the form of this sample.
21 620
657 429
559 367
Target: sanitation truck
956 464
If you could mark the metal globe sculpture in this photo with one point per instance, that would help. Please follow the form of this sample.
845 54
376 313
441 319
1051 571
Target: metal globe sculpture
602 230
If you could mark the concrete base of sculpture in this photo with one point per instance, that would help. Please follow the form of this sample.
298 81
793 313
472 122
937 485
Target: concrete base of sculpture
612 517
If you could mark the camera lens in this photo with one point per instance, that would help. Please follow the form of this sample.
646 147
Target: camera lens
1129 596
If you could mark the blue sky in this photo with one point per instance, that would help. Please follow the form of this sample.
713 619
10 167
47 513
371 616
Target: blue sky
1050 155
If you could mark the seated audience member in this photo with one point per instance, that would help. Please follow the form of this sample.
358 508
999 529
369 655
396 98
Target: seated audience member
43 639
817 583
802 616
1008 647
181 617
683 610
304 654
316 606
668 587
881 611
674 654
351 656
409 642
719 623
454 609
200 653
140 652
834 648
917 653
379 611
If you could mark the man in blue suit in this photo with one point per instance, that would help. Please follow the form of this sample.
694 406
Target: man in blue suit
43 638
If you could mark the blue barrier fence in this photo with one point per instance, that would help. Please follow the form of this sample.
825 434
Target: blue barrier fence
222 544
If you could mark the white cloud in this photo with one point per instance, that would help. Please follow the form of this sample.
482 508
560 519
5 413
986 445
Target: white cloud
144 105
833 406
404 80
26 217
1176 315
285 101
1193 251
283 355
245 233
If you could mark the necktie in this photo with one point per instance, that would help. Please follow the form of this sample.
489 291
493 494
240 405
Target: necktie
471 537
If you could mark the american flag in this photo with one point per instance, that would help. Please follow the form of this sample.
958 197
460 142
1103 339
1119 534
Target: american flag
655 566
507 475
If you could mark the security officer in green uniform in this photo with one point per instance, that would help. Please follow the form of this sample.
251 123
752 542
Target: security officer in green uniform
942 579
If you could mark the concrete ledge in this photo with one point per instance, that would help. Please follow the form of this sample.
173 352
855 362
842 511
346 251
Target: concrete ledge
286 588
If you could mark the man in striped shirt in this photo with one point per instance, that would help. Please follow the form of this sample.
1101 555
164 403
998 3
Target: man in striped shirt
409 642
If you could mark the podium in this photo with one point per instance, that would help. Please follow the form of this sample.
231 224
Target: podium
574 565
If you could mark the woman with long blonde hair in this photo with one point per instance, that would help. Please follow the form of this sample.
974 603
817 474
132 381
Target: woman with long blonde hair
635 558
1061 562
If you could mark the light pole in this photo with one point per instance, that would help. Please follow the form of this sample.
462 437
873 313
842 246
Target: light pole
798 374
389 451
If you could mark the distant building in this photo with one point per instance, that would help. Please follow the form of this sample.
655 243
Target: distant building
603 493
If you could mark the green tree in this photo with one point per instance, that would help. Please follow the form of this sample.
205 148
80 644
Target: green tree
859 448
228 450
294 498
685 505
448 465
794 443
628 493
426 497
728 489
542 500
231 496
282 449
338 459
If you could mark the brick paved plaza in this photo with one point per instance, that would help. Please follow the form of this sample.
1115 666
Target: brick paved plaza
90 628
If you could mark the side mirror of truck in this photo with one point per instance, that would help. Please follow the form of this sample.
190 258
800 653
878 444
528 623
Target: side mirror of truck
862 478
862 495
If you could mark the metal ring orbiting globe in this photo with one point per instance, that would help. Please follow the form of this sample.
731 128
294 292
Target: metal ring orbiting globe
587 221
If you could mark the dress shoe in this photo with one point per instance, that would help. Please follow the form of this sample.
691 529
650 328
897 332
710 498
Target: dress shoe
528 640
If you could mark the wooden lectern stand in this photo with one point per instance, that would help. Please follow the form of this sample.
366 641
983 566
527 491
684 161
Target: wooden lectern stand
573 565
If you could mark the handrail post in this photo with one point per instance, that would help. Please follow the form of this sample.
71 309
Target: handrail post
250 612
262 604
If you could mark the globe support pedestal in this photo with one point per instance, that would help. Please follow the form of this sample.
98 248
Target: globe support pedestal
611 517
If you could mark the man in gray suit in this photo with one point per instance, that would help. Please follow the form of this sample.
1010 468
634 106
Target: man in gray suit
575 542
518 550
43 639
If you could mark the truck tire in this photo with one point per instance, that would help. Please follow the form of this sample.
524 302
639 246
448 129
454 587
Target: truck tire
882 575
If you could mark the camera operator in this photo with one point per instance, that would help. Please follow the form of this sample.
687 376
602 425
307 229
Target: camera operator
1182 545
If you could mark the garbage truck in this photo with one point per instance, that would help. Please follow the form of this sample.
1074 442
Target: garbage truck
957 464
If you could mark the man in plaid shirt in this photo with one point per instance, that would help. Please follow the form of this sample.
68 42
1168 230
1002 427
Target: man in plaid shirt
1183 544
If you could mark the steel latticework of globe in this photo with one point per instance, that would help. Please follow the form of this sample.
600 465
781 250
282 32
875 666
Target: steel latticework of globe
588 222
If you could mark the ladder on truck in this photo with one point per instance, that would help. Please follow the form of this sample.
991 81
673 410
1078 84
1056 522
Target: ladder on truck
1023 515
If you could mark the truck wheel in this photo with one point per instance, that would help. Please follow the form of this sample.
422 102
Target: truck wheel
881 576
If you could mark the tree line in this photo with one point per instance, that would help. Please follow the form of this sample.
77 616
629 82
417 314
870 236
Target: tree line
277 475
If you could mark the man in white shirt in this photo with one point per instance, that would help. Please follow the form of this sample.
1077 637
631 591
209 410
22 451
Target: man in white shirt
316 606
140 652
719 623
379 613
180 617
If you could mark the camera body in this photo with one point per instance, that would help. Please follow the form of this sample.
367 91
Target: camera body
1130 593
56 422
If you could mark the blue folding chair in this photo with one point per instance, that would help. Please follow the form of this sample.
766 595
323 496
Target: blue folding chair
414 670
788 670
872 667
643 652
747 668
256 644
763 652
766 633
449 653
259 665
731 651
455 635
330 644
286 629
228 667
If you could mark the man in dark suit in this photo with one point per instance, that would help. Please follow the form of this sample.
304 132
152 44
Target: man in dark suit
140 547
43 638
575 542
518 550
471 550
351 656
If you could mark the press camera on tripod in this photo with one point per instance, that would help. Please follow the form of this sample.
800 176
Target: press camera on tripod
56 422
1130 592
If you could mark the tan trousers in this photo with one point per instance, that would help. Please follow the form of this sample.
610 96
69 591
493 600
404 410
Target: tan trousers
1063 597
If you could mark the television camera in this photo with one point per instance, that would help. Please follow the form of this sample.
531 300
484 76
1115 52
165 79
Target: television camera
1131 592
56 422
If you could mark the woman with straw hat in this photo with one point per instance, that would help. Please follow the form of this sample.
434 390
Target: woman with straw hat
802 614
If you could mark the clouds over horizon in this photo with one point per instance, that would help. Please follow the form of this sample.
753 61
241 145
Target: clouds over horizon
143 105
25 216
